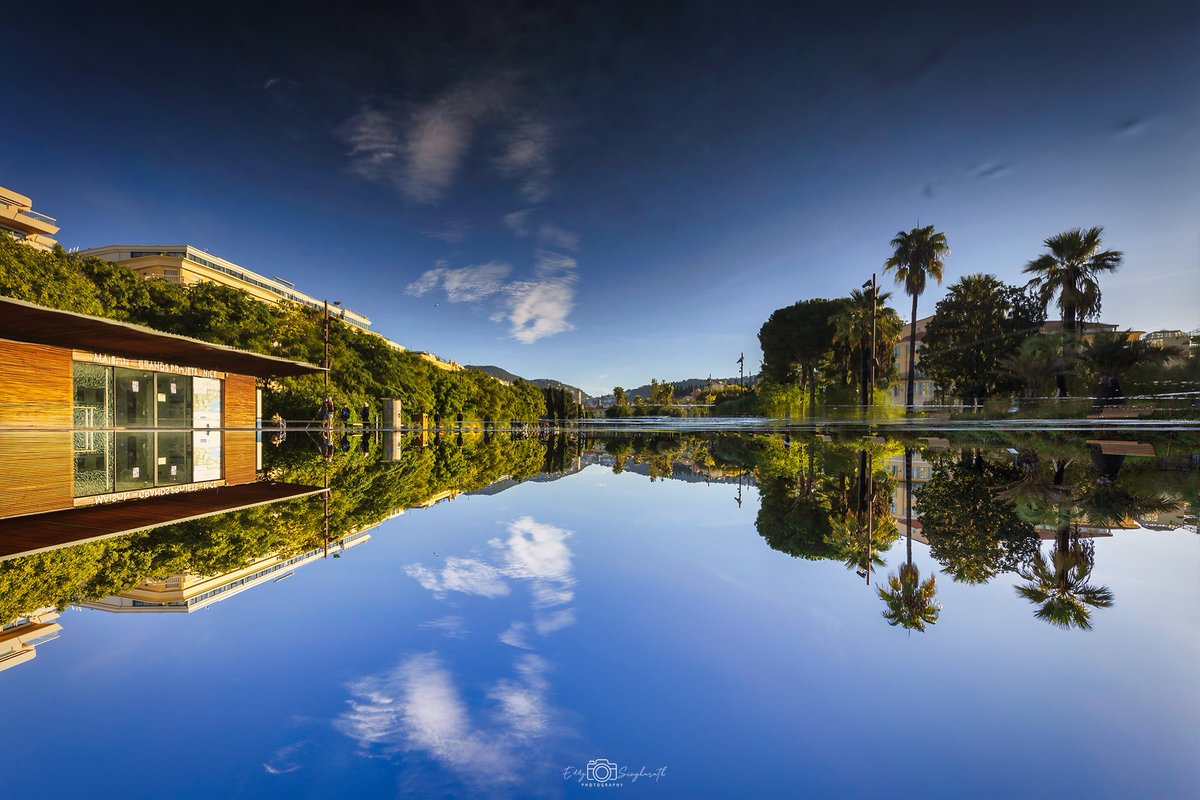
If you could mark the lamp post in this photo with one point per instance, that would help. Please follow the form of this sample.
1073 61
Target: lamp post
872 286
742 370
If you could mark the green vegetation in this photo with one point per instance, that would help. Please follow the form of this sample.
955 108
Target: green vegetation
366 368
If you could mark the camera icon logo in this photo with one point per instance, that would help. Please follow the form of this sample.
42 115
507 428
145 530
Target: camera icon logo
601 770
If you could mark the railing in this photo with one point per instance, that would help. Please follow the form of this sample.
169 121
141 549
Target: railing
41 217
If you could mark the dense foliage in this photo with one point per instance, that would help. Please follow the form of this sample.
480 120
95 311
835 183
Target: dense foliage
365 367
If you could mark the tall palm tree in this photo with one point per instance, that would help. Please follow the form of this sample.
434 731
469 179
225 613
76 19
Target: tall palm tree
1071 271
917 255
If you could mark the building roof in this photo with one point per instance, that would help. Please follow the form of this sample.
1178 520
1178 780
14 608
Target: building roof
26 322
38 533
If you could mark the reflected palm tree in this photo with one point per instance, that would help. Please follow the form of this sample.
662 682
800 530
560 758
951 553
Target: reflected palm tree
911 603
1059 586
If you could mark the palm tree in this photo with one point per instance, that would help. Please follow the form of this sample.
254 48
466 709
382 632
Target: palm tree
910 603
852 329
1114 354
917 255
1070 271
1040 360
1059 587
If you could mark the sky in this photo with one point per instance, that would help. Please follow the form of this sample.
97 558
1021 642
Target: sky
606 193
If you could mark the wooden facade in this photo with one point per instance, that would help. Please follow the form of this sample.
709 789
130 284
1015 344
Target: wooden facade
36 472
36 386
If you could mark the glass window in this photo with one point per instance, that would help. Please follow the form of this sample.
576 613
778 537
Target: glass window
93 462
173 395
133 461
93 395
174 458
133 393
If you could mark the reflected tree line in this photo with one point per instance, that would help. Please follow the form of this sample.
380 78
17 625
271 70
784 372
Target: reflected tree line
984 503
365 490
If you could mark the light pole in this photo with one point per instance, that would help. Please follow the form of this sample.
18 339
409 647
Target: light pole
873 287
742 370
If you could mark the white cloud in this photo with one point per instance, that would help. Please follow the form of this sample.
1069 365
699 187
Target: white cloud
518 222
417 706
450 626
283 759
546 624
537 309
554 236
526 157
462 285
420 149
466 575
514 635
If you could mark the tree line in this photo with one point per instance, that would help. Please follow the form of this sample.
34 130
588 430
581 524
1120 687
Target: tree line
985 339
365 367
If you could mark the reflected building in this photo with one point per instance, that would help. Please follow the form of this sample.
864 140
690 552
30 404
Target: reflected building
110 428
921 471
184 594
20 638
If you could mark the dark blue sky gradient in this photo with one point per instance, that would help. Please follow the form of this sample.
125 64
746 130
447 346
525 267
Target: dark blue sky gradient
701 164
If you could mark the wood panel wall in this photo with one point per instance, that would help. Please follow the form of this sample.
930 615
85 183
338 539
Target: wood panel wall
241 401
37 472
241 457
35 386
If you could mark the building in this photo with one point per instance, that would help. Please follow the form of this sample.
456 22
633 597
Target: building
1162 339
108 428
184 264
20 638
923 386
19 220
183 594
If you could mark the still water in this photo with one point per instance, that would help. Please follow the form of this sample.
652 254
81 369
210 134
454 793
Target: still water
639 614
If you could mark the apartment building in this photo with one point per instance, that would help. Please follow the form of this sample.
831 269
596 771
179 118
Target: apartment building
184 264
19 220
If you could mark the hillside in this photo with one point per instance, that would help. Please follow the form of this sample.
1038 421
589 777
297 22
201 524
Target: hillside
544 383
685 386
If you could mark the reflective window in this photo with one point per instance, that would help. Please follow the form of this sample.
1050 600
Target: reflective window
173 394
133 461
133 395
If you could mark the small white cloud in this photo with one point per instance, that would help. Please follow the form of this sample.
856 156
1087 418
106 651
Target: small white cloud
453 232
554 236
466 575
518 222
417 706
526 157
549 623
283 759
463 285
514 635
451 627
537 309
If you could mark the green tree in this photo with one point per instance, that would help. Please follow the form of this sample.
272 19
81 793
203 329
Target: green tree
910 601
1060 586
918 254
978 324
1070 272
1112 355
796 340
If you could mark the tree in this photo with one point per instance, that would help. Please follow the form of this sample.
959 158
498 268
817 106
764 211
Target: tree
1059 586
978 324
796 340
972 533
1111 355
1040 360
852 339
909 601
1070 272
917 255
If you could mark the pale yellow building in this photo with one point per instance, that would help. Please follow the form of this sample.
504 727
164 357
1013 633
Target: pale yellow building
923 386
20 638
183 594
184 264
19 220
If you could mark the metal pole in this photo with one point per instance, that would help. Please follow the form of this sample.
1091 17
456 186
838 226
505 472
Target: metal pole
874 307
326 347
870 511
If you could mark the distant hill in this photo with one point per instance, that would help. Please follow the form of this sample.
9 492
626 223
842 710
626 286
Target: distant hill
505 375
685 386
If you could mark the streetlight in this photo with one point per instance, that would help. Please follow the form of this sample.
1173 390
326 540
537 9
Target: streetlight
872 286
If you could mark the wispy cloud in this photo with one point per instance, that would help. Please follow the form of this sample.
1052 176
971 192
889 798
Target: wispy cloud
283 760
526 157
420 149
462 285
554 236
466 575
453 232
417 706
518 222
538 309
452 627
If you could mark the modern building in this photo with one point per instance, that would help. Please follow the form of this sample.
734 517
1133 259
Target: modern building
1163 339
108 428
184 264
19 220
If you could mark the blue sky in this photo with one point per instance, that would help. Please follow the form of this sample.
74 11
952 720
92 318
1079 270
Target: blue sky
603 195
